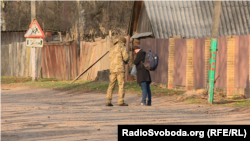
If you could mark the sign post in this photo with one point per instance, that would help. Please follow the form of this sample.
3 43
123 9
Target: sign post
34 39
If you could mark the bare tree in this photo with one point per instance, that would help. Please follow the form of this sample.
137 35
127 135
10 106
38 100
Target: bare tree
92 18
102 16
56 15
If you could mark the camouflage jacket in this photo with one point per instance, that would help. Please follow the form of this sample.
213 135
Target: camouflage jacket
118 55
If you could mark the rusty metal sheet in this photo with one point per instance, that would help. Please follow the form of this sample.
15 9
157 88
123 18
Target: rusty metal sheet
43 62
162 51
241 67
199 63
180 57
221 63
50 62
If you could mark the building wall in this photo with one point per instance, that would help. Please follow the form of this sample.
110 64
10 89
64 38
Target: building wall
183 62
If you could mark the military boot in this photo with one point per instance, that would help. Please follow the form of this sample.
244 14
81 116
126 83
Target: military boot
109 104
123 104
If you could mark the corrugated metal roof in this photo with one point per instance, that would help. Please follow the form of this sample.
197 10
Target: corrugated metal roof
193 19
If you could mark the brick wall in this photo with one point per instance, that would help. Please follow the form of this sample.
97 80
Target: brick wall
230 65
171 63
207 52
189 65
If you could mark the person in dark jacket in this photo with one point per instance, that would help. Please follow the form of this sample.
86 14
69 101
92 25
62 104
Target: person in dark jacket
143 75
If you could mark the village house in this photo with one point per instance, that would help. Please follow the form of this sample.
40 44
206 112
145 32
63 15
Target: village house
180 33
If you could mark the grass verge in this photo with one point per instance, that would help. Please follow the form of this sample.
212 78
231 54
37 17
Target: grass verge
85 86
222 102
130 88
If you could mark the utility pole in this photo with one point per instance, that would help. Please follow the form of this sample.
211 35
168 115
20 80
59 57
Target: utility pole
33 49
213 49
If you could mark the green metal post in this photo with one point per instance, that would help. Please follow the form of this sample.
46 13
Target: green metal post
213 50
212 64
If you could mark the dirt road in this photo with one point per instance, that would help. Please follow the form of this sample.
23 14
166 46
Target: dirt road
46 114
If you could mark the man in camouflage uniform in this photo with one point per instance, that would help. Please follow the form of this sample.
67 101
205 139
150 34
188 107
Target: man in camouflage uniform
118 56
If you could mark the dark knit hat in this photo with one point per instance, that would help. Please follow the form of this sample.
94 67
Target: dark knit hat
135 47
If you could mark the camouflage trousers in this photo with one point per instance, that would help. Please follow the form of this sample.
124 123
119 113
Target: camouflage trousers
121 80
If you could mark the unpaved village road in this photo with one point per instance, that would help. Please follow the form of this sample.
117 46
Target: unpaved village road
46 114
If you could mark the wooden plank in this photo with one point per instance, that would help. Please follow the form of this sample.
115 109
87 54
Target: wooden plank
67 62
102 60
52 60
90 61
55 68
109 45
25 69
84 62
74 57
94 59
5 60
18 59
28 59
64 63
15 58
64 75
42 62
71 62
59 63
87 61
11 59
22 58
99 55
107 57
97 65
81 62
46 61
39 62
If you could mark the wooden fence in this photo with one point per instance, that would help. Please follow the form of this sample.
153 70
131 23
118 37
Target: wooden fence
16 60
60 61
63 61
90 53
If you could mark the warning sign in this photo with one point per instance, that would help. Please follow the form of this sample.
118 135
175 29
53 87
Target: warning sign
34 30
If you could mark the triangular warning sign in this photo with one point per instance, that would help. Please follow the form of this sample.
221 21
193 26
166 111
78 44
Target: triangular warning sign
34 31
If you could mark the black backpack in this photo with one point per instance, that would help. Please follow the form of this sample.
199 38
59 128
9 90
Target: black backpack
151 61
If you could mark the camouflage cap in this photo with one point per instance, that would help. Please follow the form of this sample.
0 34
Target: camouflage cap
121 39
